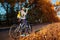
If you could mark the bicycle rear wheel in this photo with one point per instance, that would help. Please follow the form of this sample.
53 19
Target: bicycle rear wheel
29 28
14 31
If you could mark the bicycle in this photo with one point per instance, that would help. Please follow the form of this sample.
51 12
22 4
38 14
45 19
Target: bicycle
15 30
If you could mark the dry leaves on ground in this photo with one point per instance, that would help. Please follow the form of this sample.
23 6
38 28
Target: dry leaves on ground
50 32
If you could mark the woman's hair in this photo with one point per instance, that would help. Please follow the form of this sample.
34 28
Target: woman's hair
22 8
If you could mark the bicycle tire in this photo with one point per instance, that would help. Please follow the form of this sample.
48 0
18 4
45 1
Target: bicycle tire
29 28
13 33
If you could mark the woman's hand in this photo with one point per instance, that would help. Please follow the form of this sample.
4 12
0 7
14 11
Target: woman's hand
27 9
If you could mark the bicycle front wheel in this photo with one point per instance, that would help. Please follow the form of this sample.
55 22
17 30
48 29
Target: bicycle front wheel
14 31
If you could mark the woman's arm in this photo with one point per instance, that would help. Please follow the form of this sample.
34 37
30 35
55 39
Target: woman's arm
27 10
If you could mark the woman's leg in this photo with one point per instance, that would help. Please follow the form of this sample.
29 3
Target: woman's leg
25 22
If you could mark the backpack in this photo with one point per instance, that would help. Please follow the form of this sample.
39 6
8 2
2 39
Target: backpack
19 14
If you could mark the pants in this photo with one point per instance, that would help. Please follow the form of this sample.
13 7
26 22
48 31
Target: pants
24 21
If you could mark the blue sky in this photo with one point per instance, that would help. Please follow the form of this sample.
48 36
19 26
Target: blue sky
53 1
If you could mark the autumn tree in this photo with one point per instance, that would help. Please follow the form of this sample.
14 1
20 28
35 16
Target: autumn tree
44 11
